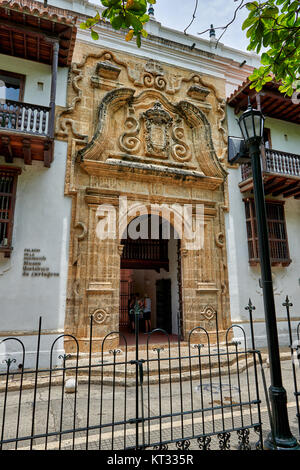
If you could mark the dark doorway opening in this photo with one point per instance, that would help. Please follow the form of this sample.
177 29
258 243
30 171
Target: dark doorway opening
151 269
164 305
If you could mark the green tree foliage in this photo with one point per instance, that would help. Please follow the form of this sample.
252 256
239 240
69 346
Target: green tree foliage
130 15
273 28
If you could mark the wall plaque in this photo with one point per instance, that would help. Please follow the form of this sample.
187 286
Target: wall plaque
34 264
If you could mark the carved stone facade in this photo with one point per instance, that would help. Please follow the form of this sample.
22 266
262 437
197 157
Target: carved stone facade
155 134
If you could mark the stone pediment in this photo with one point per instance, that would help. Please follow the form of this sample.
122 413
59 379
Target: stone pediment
148 129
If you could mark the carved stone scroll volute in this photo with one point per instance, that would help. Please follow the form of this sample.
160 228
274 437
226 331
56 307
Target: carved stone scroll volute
128 141
180 150
153 76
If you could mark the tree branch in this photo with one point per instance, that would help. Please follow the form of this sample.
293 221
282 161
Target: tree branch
224 28
193 18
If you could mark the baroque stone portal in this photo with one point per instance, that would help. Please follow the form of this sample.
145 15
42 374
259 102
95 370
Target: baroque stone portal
155 134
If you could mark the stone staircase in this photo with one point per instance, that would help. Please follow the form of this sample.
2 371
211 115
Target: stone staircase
122 372
117 368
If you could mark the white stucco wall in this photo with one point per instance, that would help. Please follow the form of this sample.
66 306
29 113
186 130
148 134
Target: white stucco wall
36 72
42 216
42 221
285 136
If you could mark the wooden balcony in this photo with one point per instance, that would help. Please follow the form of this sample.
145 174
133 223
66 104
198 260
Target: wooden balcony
24 132
42 33
145 254
269 100
281 174
28 29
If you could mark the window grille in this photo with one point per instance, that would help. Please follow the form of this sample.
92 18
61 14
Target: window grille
278 241
8 186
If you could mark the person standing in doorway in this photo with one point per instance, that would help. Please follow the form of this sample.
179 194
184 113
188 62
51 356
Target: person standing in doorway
147 313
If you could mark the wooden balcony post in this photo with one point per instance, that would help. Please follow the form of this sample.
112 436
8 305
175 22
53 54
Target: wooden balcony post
53 88
263 157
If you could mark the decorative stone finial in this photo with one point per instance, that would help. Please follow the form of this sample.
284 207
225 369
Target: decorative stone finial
212 32
151 11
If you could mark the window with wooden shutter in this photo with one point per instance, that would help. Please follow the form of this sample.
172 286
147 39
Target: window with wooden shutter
11 86
8 187
279 249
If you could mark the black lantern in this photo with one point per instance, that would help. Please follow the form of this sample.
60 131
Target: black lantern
251 124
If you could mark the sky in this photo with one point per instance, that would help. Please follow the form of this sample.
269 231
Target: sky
177 14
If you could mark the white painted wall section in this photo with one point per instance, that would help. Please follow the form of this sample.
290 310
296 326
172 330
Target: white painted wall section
36 73
42 221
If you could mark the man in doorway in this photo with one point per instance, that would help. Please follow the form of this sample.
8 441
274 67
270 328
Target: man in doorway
147 313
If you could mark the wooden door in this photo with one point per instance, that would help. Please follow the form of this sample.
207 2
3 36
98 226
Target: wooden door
163 305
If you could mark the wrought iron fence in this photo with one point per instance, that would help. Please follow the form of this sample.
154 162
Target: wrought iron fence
294 338
200 394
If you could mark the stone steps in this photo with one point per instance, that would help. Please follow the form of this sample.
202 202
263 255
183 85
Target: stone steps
119 380
164 365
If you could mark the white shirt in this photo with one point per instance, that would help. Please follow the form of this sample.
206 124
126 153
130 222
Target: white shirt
147 307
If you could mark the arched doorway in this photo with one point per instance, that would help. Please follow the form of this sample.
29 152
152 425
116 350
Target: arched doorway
151 268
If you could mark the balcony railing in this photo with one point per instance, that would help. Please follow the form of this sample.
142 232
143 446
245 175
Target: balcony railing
145 254
148 250
282 163
24 117
276 162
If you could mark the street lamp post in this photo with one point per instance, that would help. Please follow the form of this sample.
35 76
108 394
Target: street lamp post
252 125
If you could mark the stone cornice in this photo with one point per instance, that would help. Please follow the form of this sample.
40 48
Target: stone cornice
147 174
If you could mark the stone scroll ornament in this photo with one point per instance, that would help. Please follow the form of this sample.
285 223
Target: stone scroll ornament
150 75
153 76
163 135
180 150
159 132
128 141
